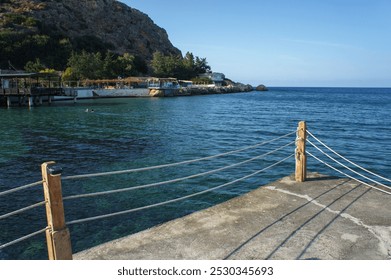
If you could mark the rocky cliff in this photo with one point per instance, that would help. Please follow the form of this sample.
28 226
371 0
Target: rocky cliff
94 25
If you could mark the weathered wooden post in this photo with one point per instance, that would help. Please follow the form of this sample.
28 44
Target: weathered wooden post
301 158
57 234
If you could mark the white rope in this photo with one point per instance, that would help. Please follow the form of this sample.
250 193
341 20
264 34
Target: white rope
332 167
22 238
343 165
177 179
21 188
22 210
176 199
362 168
173 164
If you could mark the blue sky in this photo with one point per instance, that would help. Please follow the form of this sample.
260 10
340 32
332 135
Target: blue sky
282 42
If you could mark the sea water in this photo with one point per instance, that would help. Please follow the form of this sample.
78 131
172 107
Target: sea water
138 132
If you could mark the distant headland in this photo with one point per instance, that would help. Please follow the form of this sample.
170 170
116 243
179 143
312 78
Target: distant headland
98 40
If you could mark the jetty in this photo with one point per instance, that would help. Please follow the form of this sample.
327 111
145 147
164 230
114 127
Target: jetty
31 88
305 215
21 88
323 218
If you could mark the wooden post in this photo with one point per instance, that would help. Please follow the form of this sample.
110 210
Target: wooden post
301 158
57 234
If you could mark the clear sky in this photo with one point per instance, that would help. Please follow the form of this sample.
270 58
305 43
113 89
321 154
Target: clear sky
283 42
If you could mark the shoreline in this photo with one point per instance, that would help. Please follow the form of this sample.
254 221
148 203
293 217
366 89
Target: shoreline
93 93
217 89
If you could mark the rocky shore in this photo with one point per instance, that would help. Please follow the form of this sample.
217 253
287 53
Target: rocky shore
215 90
200 90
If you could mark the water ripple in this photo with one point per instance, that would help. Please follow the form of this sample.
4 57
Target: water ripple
132 133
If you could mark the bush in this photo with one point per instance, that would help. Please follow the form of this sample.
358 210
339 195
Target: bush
9 20
34 66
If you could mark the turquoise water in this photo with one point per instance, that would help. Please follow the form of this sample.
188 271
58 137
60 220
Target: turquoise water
132 133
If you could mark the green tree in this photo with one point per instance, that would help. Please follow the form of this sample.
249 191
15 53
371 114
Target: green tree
175 66
108 66
158 65
126 65
201 66
115 65
187 67
34 66
86 65
167 66
68 75
140 65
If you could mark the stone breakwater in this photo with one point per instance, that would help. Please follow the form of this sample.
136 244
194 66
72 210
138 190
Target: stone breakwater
215 90
200 90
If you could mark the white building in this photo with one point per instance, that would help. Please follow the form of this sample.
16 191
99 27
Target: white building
217 78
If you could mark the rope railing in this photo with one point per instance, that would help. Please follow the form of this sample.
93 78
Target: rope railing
347 175
344 158
2 246
21 210
21 188
178 179
176 199
175 163
45 181
377 184
58 234
347 167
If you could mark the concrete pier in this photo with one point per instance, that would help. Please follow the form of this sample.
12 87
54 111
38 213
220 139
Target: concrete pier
322 218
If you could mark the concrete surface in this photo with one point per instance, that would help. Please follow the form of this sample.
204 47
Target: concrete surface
322 218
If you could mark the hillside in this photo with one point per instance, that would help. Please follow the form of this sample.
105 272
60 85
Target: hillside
52 29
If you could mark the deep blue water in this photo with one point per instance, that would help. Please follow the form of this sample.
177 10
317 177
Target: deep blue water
131 133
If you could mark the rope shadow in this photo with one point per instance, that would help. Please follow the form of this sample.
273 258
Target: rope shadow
328 224
323 178
307 222
281 219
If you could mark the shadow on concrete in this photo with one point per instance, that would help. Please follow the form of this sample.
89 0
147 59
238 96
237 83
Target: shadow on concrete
301 226
323 178
308 221
332 221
